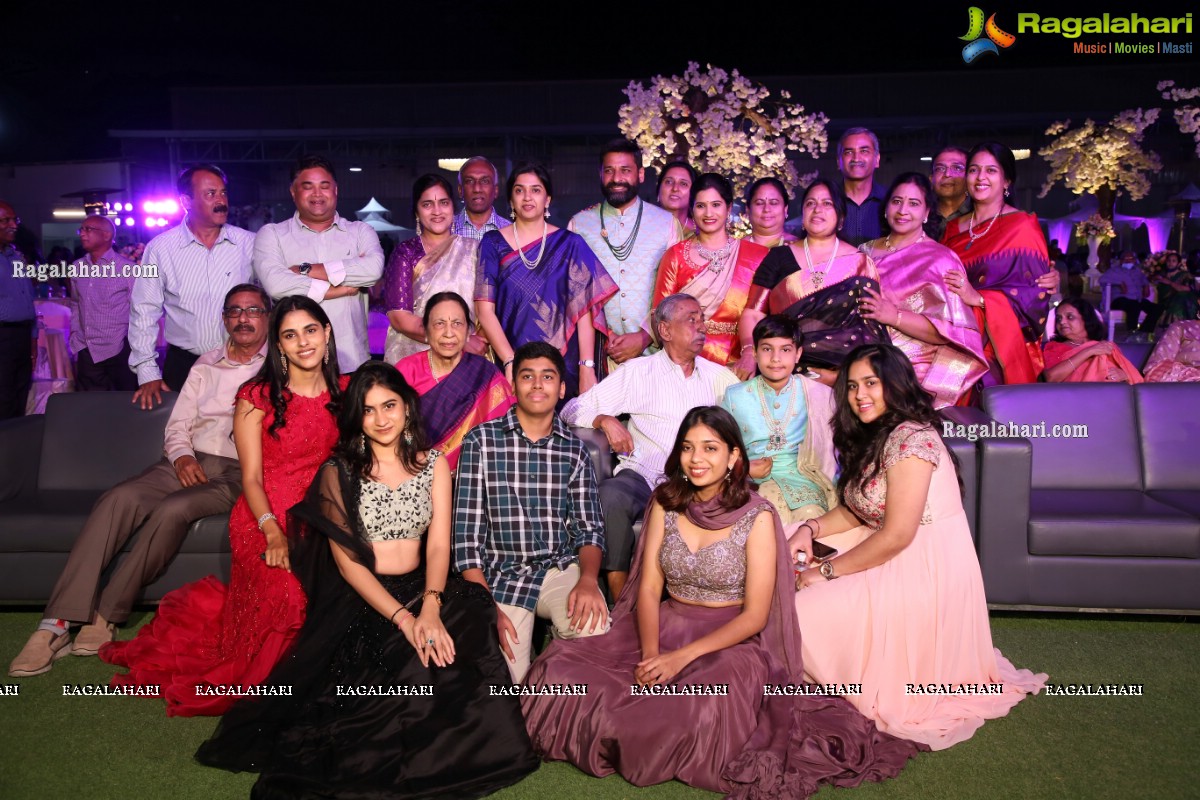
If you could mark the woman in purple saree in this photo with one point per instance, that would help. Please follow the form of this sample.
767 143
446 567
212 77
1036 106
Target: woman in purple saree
540 283
458 390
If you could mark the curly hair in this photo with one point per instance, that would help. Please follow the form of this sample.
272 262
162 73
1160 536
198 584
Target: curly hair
860 444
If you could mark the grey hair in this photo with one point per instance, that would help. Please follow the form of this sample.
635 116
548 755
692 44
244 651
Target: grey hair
855 132
479 160
664 312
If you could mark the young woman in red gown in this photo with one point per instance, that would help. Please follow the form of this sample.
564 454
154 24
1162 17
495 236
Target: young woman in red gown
208 640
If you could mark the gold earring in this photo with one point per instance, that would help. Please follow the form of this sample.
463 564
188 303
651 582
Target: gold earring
283 364
418 226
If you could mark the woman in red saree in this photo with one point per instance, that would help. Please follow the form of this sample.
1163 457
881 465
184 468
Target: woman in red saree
717 270
458 390
1007 279
1079 353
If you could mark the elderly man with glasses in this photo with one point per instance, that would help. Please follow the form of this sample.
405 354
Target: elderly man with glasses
100 311
197 477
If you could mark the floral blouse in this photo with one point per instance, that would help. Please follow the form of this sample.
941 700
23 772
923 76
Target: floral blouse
869 502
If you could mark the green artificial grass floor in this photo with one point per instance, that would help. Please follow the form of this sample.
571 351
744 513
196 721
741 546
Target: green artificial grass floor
53 746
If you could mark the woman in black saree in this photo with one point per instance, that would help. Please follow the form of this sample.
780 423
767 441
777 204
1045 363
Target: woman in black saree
387 690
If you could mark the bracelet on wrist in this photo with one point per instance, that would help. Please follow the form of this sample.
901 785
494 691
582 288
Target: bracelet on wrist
437 595
392 620
264 518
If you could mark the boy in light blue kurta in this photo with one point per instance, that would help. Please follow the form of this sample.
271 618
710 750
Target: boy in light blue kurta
786 424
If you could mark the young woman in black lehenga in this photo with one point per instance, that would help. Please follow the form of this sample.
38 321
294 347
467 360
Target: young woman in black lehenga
390 677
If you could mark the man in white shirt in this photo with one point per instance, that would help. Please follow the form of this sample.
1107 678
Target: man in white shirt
323 255
629 236
198 262
197 477
656 392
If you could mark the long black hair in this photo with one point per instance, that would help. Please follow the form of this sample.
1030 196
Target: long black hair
351 446
860 445
272 377
675 493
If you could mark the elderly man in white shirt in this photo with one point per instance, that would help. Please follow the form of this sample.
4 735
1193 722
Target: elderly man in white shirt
197 477
656 392
197 262
323 255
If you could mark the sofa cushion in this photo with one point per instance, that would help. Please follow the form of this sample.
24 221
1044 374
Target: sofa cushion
1186 500
1170 434
208 535
47 522
1129 523
1109 457
95 440
1137 352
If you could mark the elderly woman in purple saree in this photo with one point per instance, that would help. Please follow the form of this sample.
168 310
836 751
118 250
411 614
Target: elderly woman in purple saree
458 390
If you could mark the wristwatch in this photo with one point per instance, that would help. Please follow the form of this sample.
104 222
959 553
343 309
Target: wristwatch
588 363
305 268
826 570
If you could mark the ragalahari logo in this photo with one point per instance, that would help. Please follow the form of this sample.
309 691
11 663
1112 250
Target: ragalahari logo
976 28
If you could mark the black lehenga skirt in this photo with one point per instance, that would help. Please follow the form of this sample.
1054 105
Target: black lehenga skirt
366 720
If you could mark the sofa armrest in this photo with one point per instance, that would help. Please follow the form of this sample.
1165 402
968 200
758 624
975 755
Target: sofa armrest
20 455
597 445
1006 470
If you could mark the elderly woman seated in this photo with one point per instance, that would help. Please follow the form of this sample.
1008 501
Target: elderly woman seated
1176 358
458 390
1079 352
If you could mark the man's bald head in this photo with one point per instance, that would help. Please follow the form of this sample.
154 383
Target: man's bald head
96 234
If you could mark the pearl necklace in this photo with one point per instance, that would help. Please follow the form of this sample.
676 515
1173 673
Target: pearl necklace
541 250
971 228
818 277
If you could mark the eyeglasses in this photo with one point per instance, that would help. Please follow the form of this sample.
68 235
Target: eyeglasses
91 229
13 220
233 312
952 169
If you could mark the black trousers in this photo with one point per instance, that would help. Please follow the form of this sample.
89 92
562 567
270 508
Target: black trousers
1133 308
16 367
623 498
176 367
111 374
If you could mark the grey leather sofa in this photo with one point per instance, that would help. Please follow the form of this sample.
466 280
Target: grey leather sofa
1110 520
53 467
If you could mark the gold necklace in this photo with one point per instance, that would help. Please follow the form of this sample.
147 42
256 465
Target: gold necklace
777 438
892 248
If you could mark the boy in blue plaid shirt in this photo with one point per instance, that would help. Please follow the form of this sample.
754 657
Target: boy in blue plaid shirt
527 518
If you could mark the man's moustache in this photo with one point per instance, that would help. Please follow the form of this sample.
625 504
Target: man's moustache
221 209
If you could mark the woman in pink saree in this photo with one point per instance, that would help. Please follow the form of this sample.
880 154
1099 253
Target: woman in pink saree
927 322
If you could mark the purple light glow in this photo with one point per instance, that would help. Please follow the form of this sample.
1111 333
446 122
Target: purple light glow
129 220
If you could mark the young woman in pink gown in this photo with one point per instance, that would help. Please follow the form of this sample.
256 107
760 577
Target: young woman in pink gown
902 613
206 636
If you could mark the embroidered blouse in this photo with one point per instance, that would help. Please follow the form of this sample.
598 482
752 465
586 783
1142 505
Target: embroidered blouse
405 512
715 573
869 501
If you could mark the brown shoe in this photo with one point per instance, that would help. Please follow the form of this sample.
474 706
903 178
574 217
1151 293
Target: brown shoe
90 637
40 653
